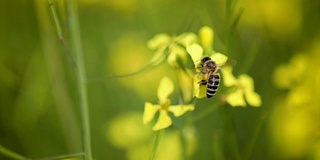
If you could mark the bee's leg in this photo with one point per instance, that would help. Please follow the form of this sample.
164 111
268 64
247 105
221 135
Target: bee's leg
203 82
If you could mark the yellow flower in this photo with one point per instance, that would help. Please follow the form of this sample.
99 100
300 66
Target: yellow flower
200 91
166 87
196 52
244 89
171 48
206 36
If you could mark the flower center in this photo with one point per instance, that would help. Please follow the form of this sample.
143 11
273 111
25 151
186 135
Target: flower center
165 104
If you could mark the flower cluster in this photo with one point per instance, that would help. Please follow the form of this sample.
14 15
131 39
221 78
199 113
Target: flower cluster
295 118
184 51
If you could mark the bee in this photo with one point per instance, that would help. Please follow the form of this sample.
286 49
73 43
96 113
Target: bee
211 78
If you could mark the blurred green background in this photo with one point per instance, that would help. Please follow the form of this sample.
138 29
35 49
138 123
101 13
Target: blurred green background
39 104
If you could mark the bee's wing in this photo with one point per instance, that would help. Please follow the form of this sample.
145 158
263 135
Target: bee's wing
227 64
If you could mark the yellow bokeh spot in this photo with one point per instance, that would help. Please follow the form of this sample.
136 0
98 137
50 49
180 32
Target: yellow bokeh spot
281 77
282 17
126 131
206 37
292 131
189 133
131 58
171 146
295 118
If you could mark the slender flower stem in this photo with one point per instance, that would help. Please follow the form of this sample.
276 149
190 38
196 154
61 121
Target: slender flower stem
57 26
254 136
250 57
73 155
11 154
156 144
204 113
82 80
232 134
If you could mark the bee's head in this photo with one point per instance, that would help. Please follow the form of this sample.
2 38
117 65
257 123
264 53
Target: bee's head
204 59
212 65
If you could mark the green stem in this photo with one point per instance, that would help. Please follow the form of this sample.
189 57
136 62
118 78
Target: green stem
254 136
217 145
57 25
81 76
204 113
55 19
232 18
11 154
156 144
73 155
232 134
250 57
228 25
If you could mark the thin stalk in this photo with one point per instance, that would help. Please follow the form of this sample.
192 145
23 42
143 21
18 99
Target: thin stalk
56 73
228 25
73 155
217 145
204 113
233 16
11 154
57 25
232 134
81 77
254 136
156 144
250 57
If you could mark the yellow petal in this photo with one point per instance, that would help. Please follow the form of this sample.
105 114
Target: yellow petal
228 78
165 88
253 98
149 112
164 121
199 91
179 110
177 57
159 40
246 82
206 36
195 51
236 99
185 80
158 56
187 39
219 58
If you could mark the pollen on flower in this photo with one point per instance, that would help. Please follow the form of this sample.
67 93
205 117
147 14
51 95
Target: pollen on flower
200 90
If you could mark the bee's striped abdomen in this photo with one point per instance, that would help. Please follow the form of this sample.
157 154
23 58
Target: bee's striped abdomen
213 84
